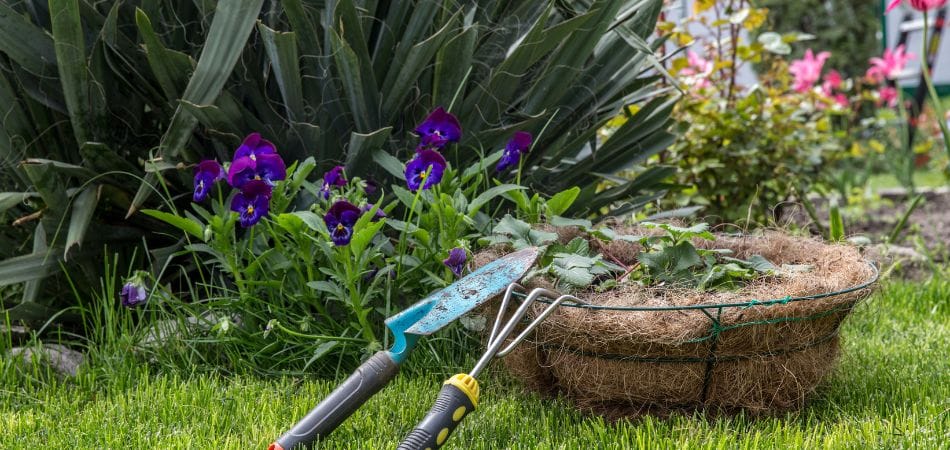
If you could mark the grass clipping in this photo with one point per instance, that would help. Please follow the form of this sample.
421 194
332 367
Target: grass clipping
760 359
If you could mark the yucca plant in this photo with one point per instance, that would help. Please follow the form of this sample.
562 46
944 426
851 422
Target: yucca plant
106 104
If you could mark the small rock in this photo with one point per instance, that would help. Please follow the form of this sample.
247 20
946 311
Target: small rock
60 358
906 261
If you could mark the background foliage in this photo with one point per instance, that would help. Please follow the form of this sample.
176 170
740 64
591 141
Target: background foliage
847 28
106 105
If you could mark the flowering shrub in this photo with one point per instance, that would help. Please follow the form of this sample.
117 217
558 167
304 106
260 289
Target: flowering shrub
798 128
313 268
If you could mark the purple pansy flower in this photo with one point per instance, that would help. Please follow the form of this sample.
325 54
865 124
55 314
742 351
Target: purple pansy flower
456 260
340 219
267 167
253 147
207 172
438 129
252 203
425 160
370 187
133 291
380 214
333 177
517 145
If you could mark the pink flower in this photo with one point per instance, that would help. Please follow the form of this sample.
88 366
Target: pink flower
919 5
887 95
889 66
841 100
832 82
697 70
807 71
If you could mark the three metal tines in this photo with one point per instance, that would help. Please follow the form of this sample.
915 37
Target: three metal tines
499 333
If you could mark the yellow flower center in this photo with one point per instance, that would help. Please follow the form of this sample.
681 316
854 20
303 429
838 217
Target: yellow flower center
253 157
422 176
340 227
250 209
257 177
201 184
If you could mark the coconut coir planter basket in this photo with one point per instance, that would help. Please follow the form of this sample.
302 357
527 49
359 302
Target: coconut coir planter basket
762 349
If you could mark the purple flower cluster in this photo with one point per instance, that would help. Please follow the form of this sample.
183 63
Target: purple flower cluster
435 132
255 168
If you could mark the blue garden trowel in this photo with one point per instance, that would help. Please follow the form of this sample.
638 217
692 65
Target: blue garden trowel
421 319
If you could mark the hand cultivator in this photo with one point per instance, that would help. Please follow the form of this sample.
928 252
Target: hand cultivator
459 394
421 319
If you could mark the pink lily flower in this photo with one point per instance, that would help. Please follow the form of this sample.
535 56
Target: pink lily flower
807 71
888 96
832 82
890 65
919 5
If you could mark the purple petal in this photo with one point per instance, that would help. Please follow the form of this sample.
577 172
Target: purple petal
520 142
133 294
271 168
242 171
456 260
253 147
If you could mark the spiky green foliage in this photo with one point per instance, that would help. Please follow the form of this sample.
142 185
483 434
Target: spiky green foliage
106 103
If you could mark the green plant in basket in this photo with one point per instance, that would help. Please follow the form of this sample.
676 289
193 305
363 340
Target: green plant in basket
672 258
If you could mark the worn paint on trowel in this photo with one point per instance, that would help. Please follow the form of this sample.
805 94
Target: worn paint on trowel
486 283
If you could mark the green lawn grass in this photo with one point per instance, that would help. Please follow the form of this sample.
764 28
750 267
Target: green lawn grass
892 390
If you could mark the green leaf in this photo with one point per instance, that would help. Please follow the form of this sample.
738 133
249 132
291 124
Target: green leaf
362 236
578 277
282 52
11 199
171 68
522 233
351 77
488 195
836 225
362 145
313 221
399 82
84 205
560 202
559 221
773 43
189 226
33 266
25 43
70 46
390 164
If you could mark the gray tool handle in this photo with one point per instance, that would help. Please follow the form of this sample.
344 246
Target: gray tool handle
367 380
455 401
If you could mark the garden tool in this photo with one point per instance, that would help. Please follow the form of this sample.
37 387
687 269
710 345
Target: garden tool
459 394
421 319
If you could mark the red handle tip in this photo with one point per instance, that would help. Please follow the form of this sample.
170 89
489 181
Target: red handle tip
275 446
